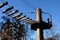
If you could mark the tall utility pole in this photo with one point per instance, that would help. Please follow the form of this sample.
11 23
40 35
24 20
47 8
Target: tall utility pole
40 25
39 19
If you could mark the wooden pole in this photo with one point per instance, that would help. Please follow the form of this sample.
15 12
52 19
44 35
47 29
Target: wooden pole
39 19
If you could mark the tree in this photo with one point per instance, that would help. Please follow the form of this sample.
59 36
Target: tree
14 29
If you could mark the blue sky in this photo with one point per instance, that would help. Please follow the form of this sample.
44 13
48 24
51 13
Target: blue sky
49 6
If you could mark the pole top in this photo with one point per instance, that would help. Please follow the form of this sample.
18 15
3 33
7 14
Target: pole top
38 8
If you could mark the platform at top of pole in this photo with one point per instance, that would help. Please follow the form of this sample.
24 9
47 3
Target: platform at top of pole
40 24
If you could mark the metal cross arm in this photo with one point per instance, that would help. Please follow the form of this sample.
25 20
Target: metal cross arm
21 17
4 11
17 15
13 12
29 21
3 4
42 25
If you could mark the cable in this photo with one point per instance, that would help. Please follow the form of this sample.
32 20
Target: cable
56 29
31 5
2 0
28 4
47 13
